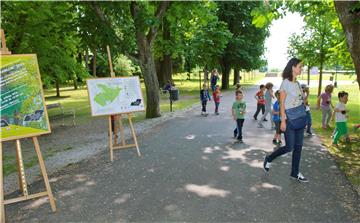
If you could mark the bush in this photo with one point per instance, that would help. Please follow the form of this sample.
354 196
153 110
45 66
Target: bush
123 66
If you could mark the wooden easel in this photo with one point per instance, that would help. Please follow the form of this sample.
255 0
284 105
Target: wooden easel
20 164
113 144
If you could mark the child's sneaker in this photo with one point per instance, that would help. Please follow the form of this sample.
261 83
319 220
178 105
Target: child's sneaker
300 178
310 134
347 140
255 118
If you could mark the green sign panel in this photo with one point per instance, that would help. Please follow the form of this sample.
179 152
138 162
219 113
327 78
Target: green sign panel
23 110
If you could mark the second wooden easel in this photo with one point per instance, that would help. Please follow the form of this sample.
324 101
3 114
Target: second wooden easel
113 143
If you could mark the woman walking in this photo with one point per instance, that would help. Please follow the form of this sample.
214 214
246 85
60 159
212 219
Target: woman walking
293 119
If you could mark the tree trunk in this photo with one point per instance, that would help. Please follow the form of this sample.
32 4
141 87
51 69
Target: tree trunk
320 77
350 23
147 66
87 61
75 82
94 62
79 60
308 75
57 85
322 61
236 76
144 42
164 71
225 76
206 74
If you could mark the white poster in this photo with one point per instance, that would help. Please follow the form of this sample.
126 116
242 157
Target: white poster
110 96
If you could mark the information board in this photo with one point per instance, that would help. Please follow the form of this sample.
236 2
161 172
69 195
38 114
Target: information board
23 111
110 96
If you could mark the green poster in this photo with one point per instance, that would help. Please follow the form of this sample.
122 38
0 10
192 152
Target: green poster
23 111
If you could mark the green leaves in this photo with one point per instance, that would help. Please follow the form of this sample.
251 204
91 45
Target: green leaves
44 29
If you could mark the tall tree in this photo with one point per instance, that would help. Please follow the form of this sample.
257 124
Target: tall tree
147 17
190 31
302 46
246 46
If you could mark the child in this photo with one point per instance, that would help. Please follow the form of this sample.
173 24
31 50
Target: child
238 113
204 97
305 89
325 99
259 96
276 119
269 95
340 117
216 97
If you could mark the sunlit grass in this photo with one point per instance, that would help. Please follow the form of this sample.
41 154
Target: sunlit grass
347 154
327 77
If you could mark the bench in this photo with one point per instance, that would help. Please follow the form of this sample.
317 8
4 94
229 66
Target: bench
64 112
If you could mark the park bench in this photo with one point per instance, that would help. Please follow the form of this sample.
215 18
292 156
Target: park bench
63 114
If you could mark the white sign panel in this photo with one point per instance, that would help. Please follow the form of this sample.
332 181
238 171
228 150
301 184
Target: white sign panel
110 96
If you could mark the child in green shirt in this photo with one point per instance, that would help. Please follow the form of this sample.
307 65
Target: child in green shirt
341 115
238 113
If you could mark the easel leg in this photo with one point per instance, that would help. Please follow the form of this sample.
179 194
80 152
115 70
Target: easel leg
43 171
110 141
2 210
122 135
115 129
21 172
133 134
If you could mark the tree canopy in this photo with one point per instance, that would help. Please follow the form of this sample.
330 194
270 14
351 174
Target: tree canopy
151 39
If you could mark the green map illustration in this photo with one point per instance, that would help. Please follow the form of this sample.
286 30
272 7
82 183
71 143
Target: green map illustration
107 94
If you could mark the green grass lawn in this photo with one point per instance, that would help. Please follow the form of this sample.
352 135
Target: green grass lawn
346 154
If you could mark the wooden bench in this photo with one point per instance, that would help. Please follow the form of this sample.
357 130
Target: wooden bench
64 112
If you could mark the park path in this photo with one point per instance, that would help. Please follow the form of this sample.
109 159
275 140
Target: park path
192 170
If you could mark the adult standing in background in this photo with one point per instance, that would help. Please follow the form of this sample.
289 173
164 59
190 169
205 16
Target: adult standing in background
293 119
214 79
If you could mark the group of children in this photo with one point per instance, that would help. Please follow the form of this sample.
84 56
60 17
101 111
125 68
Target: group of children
205 97
264 99
265 104
337 112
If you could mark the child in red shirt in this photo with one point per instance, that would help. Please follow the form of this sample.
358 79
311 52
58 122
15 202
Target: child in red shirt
216 97
259 96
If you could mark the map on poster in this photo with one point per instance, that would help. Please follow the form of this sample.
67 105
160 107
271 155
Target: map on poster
23 112
110 96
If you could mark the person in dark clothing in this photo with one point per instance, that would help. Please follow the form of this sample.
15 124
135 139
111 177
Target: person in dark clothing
204 97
